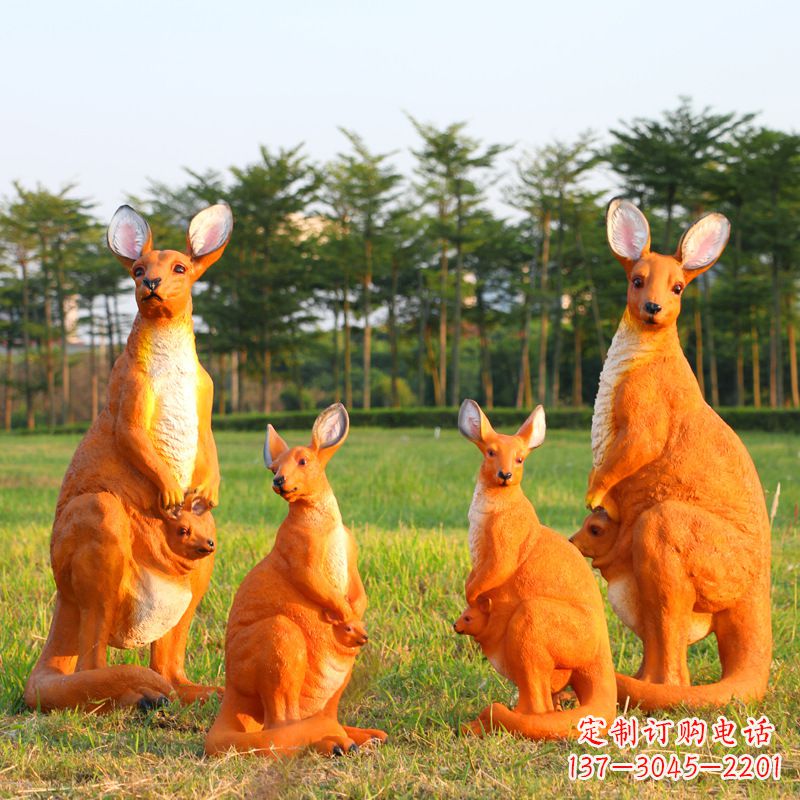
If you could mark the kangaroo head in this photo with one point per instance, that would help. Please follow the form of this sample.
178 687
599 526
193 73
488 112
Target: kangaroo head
503 456
473 619
164 278
300 471
190 531
597 535
656 282
351 633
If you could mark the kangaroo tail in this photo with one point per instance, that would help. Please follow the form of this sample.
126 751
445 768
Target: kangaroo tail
652 696
548 725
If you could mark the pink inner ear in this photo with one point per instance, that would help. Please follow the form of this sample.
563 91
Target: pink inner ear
703 246
128 240
628 233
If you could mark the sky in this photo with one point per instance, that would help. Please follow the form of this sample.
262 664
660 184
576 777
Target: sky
110 95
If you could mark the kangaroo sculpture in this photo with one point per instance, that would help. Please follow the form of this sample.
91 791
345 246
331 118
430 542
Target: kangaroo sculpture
122 577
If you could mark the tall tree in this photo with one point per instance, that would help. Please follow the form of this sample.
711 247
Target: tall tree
449 162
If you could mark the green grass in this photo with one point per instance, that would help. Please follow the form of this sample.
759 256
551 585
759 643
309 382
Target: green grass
405 495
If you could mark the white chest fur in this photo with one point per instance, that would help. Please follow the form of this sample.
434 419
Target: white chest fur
623 595
335 565
158 605
478 509
627 347
172 368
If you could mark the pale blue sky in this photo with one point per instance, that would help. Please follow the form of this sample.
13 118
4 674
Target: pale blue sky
109 94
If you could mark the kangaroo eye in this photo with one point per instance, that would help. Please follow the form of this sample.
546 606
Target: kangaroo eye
594 530
637 282
138 272
183 531
179 268
302 462
490 453
520 459
677 288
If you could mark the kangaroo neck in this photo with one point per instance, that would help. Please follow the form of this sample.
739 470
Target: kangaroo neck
320 512
633 345
147 336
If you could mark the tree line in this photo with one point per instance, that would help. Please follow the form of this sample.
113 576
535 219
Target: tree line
351 281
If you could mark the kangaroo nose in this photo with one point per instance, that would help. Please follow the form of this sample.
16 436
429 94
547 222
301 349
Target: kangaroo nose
652 308
152 285
504 476
279 481
210 544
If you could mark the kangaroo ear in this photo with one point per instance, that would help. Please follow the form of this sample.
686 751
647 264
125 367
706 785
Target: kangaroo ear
703 244
208 235
485 604
273 446
128 236
472 422
330 430
199 506
628 232
533 429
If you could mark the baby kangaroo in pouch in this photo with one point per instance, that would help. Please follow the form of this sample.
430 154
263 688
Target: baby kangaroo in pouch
295 627
534 606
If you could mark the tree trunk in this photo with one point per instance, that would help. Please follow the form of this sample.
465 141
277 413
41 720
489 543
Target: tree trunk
577 375
455 387
110 331
793 365
266 382
739 369
558 314
712 351
367 390
8 395
737 321
485 351
775 344
542 388
524 388
348 363
441 383
422 340
698 342
49 365
221 388
756 366
66 411
437 388
337 389
395 396
235 394
30 418
95 401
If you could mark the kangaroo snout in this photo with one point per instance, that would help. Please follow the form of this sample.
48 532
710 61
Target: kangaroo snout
652 308
152 285
504 476
278 481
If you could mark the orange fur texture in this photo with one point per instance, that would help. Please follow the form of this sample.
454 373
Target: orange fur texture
125 574
295 628
692 550
534 606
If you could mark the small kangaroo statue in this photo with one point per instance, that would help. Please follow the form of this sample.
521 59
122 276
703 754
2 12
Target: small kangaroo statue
295 628
534 606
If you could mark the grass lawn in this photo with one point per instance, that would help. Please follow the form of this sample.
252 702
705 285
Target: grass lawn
405 495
